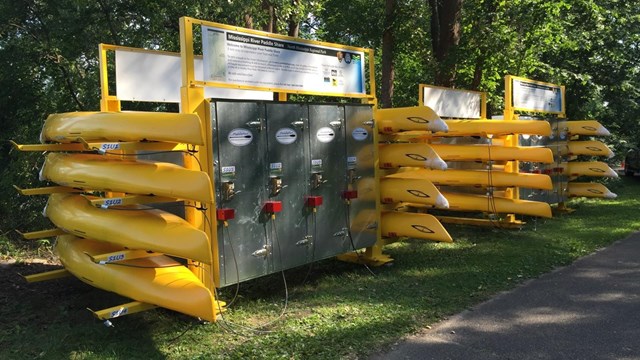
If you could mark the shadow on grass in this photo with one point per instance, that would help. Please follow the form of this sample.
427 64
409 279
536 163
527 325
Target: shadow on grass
50 320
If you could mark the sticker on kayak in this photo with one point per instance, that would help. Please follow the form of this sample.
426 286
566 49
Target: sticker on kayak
286 136
325 134
112 202
109 146
360 134
240 137
423 229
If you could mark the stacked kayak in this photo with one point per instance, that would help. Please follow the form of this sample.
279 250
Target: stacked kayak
112 238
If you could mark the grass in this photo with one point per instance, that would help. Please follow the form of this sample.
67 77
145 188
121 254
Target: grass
341 311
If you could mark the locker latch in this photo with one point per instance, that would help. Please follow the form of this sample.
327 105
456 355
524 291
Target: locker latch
352 177
305 241
336 124
228 190
275 185
298 123
263 252
257 124
316 180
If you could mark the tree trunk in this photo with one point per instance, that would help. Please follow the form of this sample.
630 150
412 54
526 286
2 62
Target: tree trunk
484 23
270 26
293 21
248 21
388 44
445 36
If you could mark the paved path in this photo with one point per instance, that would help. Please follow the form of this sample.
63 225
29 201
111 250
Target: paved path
588 310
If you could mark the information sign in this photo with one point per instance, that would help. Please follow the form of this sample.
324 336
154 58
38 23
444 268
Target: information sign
282 63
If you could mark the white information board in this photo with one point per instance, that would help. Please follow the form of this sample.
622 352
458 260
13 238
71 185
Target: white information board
276 64
453 103
530 95
157 77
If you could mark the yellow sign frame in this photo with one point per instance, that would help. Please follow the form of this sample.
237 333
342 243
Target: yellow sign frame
187 51
509 109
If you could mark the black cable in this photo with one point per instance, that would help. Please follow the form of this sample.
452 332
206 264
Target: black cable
235 261
353 246
228 325
491 201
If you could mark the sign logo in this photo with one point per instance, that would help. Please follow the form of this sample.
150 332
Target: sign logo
286 136
240 137
423 229
418 193
416 157
360 134
325 134
418 119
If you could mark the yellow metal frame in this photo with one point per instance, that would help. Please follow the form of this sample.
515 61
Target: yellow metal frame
192 100
510 114
510 220
42 234
121 310
483 96
48 275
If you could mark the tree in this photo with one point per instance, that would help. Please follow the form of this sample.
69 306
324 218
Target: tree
445 37
388 44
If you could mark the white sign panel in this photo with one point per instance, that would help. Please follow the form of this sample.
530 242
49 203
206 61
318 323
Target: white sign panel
157 76
536 96
452 103
265 62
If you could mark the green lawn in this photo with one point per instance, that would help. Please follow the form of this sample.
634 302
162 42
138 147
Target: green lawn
341 311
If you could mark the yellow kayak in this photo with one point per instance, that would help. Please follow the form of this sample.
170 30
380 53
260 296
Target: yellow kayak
449 152
595 190
409 154
414 225
589 168
107 173
412 190
480 178
583 127
157 280
591 148
153 229
408 118
470 202
123 126
496 127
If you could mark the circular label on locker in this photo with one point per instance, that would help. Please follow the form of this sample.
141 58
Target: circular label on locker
240 137
286 136
360 134
325 134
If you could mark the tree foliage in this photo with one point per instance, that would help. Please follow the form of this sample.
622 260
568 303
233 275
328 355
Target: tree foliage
48 54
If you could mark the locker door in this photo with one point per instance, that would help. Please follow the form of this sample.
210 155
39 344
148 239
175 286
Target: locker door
288 149
327 179
240 150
